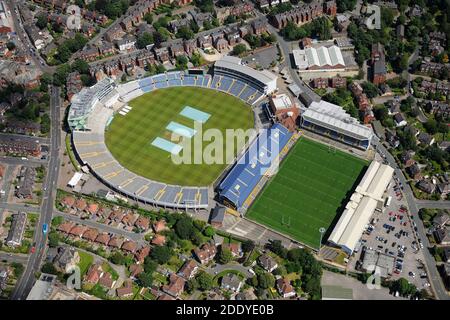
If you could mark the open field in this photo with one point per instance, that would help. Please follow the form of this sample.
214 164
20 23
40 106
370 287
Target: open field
308 191
129 137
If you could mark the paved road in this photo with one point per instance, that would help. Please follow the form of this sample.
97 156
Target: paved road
430 204
13 257
27 280
23 37
101 226
23 137
286 50
19 207
18 161
435 278
230 266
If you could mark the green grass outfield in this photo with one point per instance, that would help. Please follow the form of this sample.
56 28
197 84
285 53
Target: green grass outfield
129 137
308 190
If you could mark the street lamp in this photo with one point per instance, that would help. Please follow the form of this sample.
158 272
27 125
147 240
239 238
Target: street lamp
322 231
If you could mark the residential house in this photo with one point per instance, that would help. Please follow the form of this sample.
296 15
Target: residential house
129 246
414 172
442 236
217 216
159 240
103 238
65 227
188 270
206 253
285 288
441 219
77 231
17 229
115 242
126 291
141 254
159 226
235 249
66 259
135 270
426 186
231 282
267 262
425 138
175 287
106 280
90 234
399 120
94 273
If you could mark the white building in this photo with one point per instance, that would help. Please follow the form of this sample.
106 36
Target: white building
367 197
319 59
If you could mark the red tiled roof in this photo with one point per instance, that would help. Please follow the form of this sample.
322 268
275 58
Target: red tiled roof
175 286
129 246
115 242
159 226
143 223
92 208
106 280
90 234
93 274
126 290
68 201
135 269
159 240
142 253
103 238
80 204
78 230
65 227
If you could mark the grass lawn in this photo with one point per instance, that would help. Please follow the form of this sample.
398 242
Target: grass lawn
308 191
129 137
86 261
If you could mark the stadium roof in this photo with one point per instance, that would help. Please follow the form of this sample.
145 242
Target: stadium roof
258 158
361 206
335 118
234 63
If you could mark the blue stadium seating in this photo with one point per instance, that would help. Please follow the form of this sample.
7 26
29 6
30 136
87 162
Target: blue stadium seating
247 93
225 84
237 88
160 85
248 170
215 82
256 97
206 80
159 78
174 82
148 88
189 80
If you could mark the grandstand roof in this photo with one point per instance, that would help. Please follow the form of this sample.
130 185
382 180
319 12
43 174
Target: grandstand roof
234 63
361 206
335 118
258 158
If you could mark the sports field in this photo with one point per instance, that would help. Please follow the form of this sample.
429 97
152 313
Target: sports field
129 137
305 195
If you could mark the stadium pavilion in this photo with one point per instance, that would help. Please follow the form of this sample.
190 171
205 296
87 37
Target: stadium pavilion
334 122
367 197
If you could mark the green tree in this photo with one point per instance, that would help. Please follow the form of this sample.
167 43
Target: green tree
148 17
248 245
239 49
118 258
11 46
209 231
161 254
266 280
81 66
184 227
225 255
182 62
49 268
185 33
144 40
204 281
56 221
42 21
145 279
53 239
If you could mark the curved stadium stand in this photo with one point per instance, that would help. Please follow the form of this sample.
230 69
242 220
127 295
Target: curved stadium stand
88 135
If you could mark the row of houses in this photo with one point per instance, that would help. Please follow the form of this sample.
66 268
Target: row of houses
116 216
432 68
437 86
363 103
16 145
220 40
334 82
25 186
304 13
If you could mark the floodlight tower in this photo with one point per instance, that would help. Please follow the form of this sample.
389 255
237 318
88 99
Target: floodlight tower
322 231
